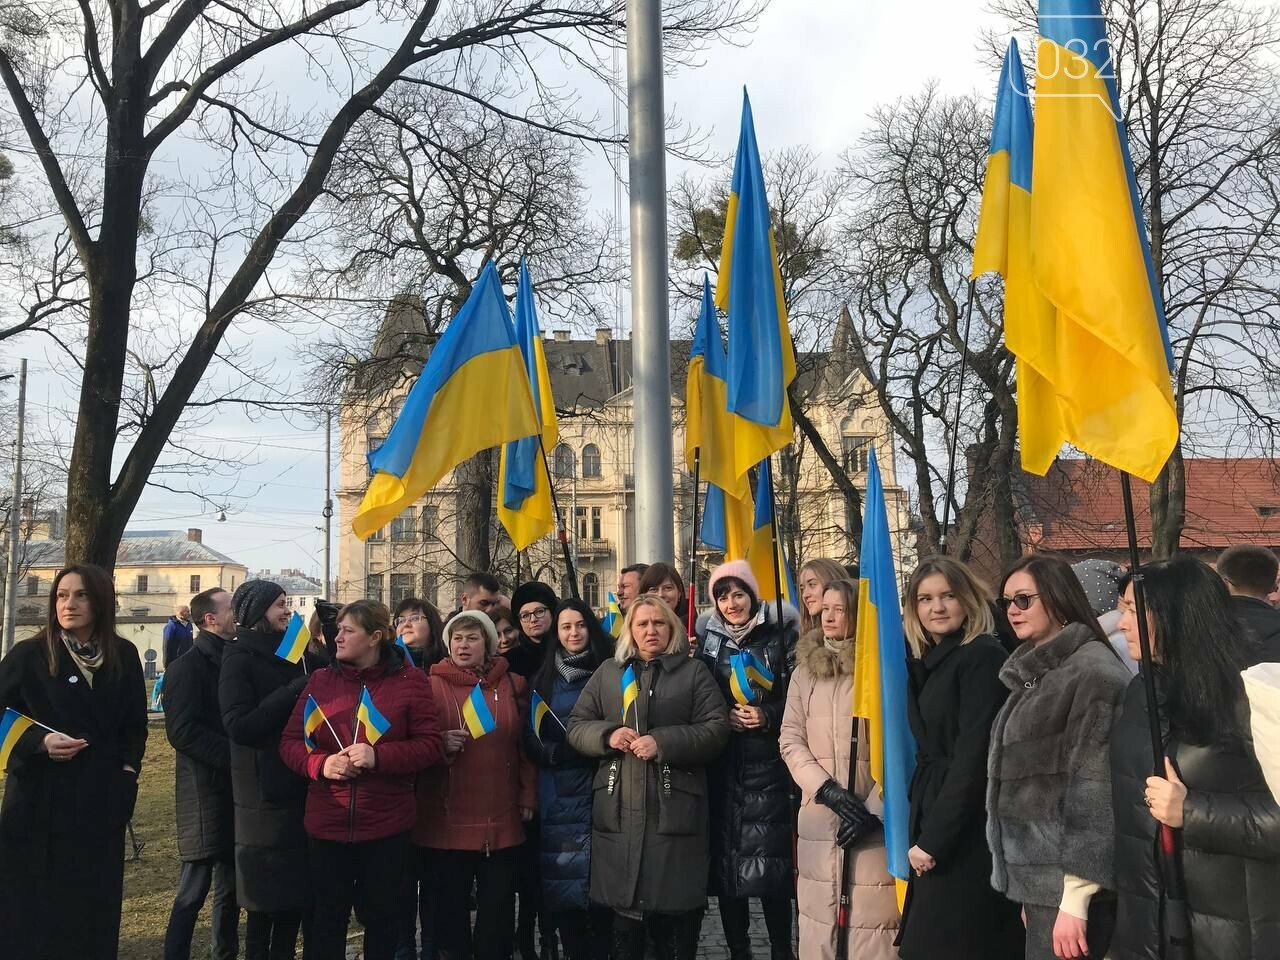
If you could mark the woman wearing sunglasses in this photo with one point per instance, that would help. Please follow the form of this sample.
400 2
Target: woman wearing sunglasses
1050 825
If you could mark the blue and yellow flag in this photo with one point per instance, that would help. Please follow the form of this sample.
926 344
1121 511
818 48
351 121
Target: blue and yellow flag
880 676
1089 253
612 622
762 359
538 711
370 718
404 649
472 394
524 506
1003 245
296 637
12 727
708 428
476 714
630 691
749 679
312 719
760 553
726 523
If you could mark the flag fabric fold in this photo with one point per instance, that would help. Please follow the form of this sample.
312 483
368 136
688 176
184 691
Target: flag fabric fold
476 714
472 394
612 622
709 429
726 523
880 677
296 637
524 504
370 718
630 690
761 359
312 719
1089 252
12 727
760 552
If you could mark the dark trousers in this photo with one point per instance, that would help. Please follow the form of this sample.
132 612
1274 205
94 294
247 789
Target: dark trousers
194 883
365 875
271 936
674 936
735 916
529 890
584 934
417 907
452 873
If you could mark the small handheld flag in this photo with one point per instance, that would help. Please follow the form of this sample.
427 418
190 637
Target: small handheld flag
739 685
312 717
538 710
747 675
296 638
477 715
612 622
374 723
12 727
630 690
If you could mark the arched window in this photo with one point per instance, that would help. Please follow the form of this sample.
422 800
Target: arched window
562 461
591 590
591 460
855 448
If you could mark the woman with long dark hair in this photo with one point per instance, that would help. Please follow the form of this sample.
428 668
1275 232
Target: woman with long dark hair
1049 821
577 646
1212 793
68 795
954 693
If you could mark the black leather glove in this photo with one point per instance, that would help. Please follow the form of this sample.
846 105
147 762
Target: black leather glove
851 831
841 801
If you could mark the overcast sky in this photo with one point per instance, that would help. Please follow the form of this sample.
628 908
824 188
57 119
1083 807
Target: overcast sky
813 69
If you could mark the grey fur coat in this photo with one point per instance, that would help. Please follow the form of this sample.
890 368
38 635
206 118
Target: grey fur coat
1048 776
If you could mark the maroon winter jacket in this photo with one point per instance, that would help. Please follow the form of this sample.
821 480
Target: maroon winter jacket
378 803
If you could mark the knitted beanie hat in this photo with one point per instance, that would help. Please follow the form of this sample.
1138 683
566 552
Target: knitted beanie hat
469 618
1101 582
252 599
738 570
534 591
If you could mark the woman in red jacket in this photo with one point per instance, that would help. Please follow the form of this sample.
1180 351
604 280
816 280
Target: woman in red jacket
361 765
471 811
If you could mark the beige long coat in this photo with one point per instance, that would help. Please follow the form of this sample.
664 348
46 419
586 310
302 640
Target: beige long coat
815 742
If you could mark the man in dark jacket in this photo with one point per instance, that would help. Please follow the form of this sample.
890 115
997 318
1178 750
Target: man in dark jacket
177 635
1250 575
202 784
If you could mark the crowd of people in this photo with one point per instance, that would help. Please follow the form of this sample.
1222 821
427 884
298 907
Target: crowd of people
510 781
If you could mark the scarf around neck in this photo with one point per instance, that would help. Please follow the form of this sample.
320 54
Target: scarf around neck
88 657
573 667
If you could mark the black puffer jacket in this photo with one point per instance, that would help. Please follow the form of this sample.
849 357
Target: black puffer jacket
1230 843
202 762
257 691
752 821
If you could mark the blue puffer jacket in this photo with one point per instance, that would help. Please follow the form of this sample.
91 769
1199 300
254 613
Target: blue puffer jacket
564 804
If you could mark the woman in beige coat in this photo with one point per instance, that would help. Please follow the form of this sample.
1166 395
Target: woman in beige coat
815 741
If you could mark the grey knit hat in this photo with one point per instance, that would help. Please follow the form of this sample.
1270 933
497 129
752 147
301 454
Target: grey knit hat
252 599
1101 582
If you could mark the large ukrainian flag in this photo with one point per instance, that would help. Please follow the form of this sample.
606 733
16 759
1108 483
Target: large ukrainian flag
762 360
524 506
472 394
1003 245
880 676
1089 253
708 428
760 553
726 523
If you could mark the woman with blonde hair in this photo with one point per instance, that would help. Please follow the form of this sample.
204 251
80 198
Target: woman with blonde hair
654 718
812 584
954 694
837 813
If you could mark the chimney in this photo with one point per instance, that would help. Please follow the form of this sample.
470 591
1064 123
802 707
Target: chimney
561 336
195 535
603 335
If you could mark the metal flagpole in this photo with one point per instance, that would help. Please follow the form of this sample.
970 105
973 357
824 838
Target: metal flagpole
773 539
15 513
955 427
693 540
564 537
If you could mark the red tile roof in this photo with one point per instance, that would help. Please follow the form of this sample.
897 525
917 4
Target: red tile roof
1077 506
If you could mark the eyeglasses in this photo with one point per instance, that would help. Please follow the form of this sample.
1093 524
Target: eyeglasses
530 615
1022 601
411 618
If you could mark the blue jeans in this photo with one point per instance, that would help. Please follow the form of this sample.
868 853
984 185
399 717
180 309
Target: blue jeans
193 887
417 906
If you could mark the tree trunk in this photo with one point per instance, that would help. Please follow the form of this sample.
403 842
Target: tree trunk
1169 506
474 479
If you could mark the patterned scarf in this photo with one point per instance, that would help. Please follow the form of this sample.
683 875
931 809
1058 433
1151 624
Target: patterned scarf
88 657
573 667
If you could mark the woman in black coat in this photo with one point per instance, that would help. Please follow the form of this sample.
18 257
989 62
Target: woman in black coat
258 690
576 647
1212 797
750 790
69 794
955 692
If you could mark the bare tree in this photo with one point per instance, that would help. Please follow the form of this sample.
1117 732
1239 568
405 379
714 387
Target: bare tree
180 175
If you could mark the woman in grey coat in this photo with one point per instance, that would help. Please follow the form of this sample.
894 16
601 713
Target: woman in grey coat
649 834
1049 820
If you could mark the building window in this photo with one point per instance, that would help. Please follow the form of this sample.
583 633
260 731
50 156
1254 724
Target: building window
33 585
430 592
378 535
590 461
580 522
562 461
142 584
595 524
373 587
704 580
855 449
401 587
375 442
430 521
195 583
591 590
402 526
